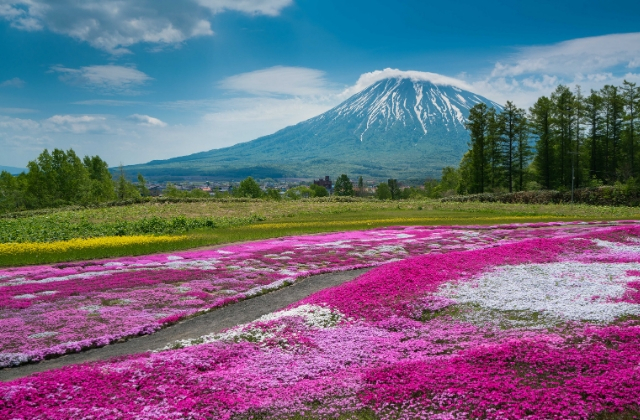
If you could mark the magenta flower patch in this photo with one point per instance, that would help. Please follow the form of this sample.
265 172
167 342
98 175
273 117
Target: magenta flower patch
522 323
55 309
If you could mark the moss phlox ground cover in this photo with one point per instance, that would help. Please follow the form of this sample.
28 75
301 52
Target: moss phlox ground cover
54 309
402 340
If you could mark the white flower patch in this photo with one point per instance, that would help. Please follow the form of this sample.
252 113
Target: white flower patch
208 264
228 292
33 296
395 249
44 334
288 272
113 264
174 258
566 290
404 236
13 359
91 308
275 285
313 316
22 280
617 247
336 244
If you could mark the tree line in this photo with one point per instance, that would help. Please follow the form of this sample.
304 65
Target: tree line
566 139
61 178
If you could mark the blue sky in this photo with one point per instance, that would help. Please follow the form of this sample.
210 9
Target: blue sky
139 80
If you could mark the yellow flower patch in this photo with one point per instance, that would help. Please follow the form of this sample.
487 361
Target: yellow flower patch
83 244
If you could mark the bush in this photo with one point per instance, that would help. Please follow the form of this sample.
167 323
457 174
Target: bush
618 195
273 194
249 188
297 193
383 192
319 190
343 186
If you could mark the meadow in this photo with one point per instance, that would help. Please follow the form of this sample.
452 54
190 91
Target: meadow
471 310
216 222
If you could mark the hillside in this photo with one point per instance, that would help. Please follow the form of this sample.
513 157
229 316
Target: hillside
397 127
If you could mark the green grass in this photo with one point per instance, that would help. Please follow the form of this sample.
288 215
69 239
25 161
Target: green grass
255 220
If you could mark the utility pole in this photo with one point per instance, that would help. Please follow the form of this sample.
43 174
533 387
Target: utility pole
573 172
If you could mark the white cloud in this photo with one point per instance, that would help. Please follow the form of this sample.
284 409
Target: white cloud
147 121
590 54
368 79
78 124
115 25
255 7
108 102
535 71
113 138
17 124
15 82
280 80
109 79
244 119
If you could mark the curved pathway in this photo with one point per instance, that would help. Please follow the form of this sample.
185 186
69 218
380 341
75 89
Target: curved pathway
220 319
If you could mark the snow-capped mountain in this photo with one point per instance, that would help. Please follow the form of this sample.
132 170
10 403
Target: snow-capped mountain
397 127
415 105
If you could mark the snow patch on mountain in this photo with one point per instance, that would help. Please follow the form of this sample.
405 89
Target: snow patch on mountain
414 103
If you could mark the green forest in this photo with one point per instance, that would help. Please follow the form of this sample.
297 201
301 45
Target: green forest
567 140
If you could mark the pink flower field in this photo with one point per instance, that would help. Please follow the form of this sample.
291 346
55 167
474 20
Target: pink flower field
54 309
538 321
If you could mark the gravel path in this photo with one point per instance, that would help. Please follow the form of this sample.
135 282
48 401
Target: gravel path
214 321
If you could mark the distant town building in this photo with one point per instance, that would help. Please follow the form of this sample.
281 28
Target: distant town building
326 182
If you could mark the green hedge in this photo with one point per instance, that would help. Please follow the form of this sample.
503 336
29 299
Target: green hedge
49 230
599 196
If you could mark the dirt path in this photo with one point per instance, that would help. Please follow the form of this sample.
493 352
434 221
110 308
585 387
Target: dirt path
215 321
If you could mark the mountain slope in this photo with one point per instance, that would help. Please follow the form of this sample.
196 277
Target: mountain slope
396 127
12 170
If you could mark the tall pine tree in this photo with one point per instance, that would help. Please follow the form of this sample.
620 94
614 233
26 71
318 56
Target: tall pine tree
593 110
544 160
563 102
512 120
631 95
477 126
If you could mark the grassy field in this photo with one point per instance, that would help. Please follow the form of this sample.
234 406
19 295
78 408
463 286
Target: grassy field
216 222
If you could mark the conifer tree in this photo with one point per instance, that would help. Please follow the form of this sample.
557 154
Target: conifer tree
563 102
613 110
631 95
541 127
343 186
578 119
494 144
477 125
593 110
512 121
